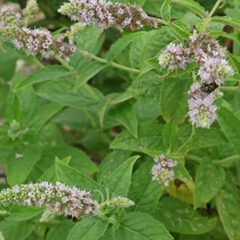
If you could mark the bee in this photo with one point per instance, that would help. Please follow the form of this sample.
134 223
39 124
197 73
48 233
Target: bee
209 87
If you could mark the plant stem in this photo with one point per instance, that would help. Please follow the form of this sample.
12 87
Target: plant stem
215 7
109 63
193 158
75 75
228 160
231 89
188 140
37 62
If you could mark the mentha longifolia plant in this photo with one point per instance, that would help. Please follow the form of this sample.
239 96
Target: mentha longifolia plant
119 120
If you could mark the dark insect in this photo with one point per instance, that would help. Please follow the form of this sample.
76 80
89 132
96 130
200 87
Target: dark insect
209 87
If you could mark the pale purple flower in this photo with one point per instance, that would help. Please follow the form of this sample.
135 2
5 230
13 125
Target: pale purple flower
9 15
202 110
106 14
215 70
31 9
57 199
162 170
174 57
203 46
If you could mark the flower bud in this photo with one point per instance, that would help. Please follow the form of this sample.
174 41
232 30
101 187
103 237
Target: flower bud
31 9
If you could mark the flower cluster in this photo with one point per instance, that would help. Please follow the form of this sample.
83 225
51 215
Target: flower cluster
162 170
37 41
202 110
58 199
213 66
203 46
31 9
106 14
9 16
32 41
213 70
175 56
207 53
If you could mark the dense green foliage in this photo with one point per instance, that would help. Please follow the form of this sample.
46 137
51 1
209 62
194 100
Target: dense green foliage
97 121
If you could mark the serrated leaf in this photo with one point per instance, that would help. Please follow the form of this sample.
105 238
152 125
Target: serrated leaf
88 229
181 218
49 73
62 92
173 99
20 163
72 177
170 135
20 224
234 22
121 44
43 115
60 231
147 46
144 192
79 160
86 73
118 182
166 10
149 138
230 126
193 6
140 226
112 161
203 138
125 114
211 176
228 205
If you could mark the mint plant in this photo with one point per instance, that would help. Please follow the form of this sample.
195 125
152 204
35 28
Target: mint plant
119 120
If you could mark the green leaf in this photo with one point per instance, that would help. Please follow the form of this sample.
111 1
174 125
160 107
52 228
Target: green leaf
209 180
45 74
90 39
112 161
203 138
125 114
166 10
79 160
117 48
42 115
147 46
72 177
234 22
170 135
60 232
88 229
20 164
181 218
62 92
173 99
118 182
230 126
228 205
192 6
89 71
19 224
149 138
144 192
140 226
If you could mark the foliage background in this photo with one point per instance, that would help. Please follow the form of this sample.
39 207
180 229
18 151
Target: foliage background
108 116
